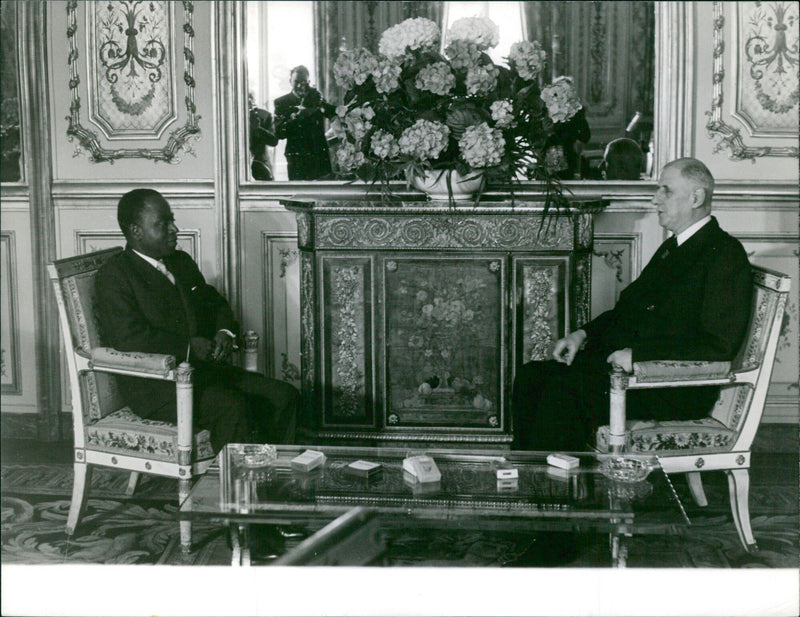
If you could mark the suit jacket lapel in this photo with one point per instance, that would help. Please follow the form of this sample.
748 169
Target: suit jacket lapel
158 281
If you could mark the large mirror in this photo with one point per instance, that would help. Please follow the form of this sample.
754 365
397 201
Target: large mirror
607 47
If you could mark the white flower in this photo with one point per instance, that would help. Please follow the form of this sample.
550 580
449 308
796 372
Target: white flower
479 30
482 79
411 34
436 78
386 75
502 113
462 54
358 121
527 57
424 140
349 157
383 145
561 99
482 146
353 67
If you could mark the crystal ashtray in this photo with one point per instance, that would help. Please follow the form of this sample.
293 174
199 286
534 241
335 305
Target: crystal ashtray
253 455
624 469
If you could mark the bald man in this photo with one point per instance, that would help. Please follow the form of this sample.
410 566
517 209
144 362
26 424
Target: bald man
691 302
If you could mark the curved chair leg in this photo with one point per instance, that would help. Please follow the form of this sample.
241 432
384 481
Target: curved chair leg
132 481
696 488
739 487
80 493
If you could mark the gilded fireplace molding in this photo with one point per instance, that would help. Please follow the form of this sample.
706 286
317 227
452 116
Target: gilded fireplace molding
754 51
151 59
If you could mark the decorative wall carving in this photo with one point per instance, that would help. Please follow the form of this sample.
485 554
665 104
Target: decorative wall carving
441 232
763 69
280 271
132 83
10 376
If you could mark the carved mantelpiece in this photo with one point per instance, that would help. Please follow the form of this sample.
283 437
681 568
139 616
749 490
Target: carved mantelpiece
415 315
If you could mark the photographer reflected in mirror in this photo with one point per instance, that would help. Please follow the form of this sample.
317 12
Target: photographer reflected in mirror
300 120
262 134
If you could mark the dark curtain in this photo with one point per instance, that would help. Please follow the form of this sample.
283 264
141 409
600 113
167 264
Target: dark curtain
351 25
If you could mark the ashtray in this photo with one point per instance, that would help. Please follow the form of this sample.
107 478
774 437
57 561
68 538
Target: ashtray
623 469
253 455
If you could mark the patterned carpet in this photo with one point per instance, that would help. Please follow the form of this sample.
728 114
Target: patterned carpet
143 529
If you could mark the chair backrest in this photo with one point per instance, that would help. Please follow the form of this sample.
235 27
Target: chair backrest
94 395
741 406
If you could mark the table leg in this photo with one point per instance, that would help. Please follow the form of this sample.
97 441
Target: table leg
240 544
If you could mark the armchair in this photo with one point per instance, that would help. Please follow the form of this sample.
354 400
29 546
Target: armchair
723 440
106 432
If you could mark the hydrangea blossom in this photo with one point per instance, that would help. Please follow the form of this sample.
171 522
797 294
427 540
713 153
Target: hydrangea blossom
561 99
358 121
481 31
384 145
386 75
462 54
527 57
436 78
349 157
411 34
352 68
424 140
502 113
482 79
482 146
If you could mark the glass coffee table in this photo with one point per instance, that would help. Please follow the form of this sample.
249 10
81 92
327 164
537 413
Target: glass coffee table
243 487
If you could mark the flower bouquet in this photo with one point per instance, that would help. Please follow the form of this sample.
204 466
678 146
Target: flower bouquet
411 110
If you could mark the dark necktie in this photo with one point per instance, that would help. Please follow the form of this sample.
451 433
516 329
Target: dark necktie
669 246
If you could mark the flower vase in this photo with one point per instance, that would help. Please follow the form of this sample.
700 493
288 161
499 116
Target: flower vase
434 184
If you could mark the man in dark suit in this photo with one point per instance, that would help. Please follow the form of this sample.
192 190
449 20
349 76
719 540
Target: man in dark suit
152 298
691 302
300 120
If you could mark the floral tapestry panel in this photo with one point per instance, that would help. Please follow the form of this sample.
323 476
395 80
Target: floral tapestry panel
132 79
347 327
443 342
543 292
768 69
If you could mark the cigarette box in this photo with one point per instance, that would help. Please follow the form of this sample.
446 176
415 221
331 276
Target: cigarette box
507 474
308 460
363 469
563 461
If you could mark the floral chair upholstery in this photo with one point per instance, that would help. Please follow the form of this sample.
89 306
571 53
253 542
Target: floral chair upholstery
105 431
721 441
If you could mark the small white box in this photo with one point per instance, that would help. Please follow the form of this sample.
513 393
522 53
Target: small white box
308 460
563 461
507 474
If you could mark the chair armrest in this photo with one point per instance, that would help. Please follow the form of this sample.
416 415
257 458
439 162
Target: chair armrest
680 370
147 363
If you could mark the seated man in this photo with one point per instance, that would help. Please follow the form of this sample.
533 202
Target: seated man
691 302
152 298
623 159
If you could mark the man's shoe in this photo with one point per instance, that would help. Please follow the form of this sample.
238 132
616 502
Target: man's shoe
549 549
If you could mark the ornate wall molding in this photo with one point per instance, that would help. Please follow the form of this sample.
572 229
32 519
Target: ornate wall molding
755 53
87 241
10 362
123 62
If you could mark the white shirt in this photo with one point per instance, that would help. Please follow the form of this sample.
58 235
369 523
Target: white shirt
158 265
692 230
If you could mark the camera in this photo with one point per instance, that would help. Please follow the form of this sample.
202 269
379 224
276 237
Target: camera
312 98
